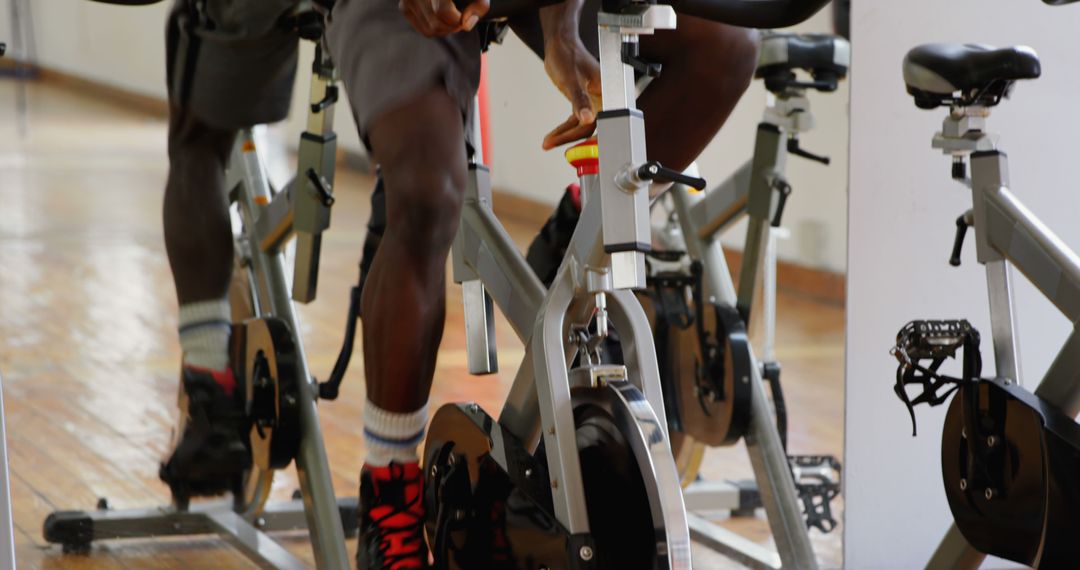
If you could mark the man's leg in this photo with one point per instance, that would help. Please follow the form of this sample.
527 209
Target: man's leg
421 152
208 450
229 65
198 237
706 68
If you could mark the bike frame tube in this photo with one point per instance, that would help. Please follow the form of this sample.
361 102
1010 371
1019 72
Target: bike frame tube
1009 235
540 403
766 452
312 465
750 192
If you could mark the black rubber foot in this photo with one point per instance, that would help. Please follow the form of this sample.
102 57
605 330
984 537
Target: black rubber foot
74 530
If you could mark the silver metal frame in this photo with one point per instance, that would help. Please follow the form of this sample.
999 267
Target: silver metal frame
1008 235
750 191
7 527
594 276
269 219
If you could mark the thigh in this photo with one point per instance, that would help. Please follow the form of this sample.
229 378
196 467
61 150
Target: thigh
232 63
699 38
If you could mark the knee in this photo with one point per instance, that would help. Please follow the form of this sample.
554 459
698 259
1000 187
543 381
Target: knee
196 145
424 206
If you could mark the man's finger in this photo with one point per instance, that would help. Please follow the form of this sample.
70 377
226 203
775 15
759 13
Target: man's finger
423 19
575 134
429 23
406 9
472 14
582 105
570 130
447 14
566 125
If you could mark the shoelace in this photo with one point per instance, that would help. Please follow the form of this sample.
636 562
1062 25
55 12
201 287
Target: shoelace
410 545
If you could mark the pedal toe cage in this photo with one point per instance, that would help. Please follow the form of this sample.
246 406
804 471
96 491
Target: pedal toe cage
817 482
922 347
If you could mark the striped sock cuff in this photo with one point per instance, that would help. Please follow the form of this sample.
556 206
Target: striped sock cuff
204 333
214 312
390 436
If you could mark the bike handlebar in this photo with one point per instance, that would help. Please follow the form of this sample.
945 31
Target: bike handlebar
743 13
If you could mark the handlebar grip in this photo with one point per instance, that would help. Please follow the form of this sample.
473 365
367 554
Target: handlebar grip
500 9
750 13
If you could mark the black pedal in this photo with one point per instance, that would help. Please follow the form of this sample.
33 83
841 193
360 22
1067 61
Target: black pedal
817 480
922 347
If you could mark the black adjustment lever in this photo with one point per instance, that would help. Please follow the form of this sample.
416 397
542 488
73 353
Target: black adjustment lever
330 98
630 57
322 188
794 148
653 171
962 224
781 186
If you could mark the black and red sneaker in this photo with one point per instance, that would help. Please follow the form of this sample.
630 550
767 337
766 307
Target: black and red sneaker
210 449
392 518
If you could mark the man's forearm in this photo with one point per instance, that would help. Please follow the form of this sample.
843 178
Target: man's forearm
560 19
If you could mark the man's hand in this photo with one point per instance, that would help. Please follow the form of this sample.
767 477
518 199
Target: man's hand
577 75
573 70
438 18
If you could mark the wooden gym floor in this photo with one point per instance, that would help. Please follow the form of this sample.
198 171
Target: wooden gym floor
89 354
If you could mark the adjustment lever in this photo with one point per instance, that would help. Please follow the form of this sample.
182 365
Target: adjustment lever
962 224
784 189
330 98
654 172
322 188
794 148
817 84
630 57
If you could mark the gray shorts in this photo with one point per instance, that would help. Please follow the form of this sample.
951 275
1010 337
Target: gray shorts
385 63
231 63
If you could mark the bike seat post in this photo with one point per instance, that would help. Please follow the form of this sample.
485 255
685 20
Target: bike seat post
311 192
621 132
964 132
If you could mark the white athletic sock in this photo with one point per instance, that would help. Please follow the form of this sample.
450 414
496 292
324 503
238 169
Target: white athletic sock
204 333
392 437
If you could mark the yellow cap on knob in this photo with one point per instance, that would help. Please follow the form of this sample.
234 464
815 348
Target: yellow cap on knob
585 157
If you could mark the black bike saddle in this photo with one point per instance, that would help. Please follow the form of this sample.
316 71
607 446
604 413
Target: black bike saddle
966 74
825 57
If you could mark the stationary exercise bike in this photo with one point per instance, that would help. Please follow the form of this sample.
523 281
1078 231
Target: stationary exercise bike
576 471
1010 458
698 316
281 391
